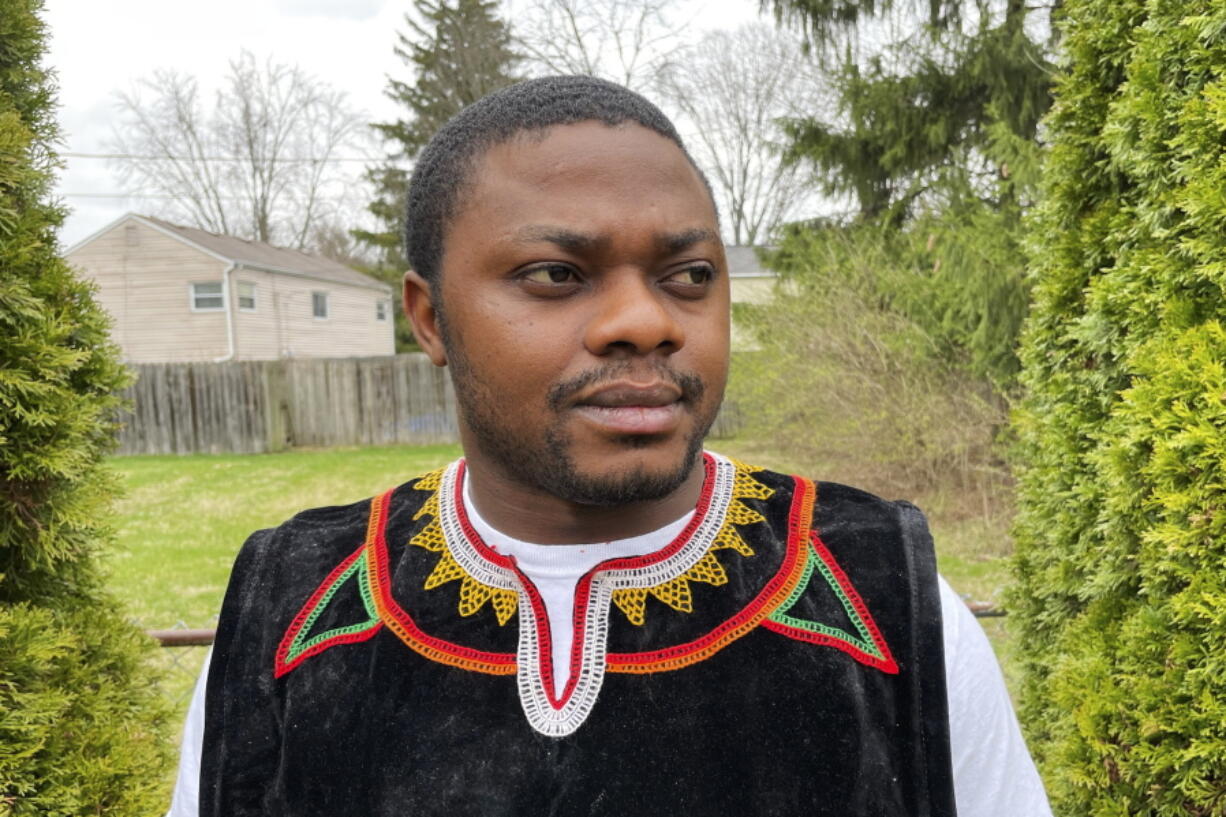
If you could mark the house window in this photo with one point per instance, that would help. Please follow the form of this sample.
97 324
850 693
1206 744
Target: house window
319 304
380 310
246 296
207 297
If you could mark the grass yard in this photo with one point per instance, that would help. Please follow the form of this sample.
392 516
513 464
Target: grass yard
183 519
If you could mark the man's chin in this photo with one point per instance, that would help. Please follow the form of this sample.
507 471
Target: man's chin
635 474
613 490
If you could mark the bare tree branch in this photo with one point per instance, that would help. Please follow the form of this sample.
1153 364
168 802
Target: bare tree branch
731 89
628 41
257 165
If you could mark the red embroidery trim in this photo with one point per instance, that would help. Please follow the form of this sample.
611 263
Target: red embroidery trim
544 636
771 596
281 665
886 664
402 624
700 511
583 589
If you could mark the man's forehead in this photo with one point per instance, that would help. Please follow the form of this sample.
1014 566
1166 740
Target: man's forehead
579 240
580 149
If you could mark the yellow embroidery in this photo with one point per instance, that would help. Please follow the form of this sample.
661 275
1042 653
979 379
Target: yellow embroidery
708 570
632 602
473 594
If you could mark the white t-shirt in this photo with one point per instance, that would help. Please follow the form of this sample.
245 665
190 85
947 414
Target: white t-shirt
993 773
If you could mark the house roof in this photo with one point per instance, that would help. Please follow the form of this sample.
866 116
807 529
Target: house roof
743 262
254 254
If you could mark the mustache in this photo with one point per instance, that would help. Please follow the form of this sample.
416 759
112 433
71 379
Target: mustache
691 385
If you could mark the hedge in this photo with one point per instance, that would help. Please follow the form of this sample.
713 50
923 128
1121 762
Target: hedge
82 725
1121 536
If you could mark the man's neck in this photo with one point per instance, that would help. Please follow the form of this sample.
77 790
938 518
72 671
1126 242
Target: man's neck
533 515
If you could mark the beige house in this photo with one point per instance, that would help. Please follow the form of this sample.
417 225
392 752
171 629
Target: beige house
751 282
180 294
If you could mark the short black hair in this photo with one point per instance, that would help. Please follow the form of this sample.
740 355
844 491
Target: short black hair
444 165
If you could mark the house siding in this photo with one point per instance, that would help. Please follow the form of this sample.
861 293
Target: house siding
283 323
144 279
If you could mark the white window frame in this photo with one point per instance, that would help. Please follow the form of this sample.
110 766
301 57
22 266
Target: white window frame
220 295
238 294
382 307
316 295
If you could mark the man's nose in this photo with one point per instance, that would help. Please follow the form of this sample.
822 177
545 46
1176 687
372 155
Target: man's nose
632 315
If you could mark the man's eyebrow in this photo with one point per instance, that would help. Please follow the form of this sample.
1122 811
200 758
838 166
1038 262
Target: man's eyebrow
677 242
569 240
577 242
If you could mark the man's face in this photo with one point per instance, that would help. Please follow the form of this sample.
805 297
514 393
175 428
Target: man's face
585 296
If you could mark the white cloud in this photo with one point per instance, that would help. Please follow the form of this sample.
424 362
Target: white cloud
353 9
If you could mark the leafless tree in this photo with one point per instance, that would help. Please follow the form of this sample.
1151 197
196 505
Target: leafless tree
262 163
731 90
627 41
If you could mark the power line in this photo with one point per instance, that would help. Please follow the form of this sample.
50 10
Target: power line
180 198
138 157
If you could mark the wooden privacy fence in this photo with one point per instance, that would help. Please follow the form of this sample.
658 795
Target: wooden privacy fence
256 406
249 407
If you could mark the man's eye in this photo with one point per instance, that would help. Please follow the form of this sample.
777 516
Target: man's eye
692 276
551 274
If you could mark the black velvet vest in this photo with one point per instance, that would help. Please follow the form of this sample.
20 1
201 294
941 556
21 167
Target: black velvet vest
782 656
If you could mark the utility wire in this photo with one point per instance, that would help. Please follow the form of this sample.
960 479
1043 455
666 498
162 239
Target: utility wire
138 157
176 198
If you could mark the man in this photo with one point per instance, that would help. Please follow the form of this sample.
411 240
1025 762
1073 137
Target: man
588 614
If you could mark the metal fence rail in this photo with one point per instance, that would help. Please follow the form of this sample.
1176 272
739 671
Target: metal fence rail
204 637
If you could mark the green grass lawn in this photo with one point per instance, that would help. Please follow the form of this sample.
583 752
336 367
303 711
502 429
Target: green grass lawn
183 518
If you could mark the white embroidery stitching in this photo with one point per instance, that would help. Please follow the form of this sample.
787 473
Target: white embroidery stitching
593 638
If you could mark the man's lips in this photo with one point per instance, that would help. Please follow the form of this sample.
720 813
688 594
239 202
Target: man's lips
621 395
631 408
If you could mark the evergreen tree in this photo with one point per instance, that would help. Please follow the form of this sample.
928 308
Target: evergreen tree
459 52
81 724
924 106
1121 537
934 135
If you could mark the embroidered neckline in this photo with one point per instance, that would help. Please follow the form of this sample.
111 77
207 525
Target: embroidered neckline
547 712
479 585
806 566
550 714
624 582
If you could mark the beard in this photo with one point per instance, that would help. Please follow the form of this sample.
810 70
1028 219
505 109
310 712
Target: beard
547 462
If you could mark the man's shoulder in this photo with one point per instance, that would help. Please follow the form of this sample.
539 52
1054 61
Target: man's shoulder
840 505
332 530
835 503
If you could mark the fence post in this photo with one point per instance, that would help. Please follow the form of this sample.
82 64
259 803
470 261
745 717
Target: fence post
275 382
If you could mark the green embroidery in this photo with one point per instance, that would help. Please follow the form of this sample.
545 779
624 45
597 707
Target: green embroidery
301 644
865 642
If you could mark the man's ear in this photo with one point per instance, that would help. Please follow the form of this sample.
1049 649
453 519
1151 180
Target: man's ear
419 309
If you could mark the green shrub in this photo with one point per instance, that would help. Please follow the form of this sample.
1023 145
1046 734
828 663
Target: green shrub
1121 534
843 383
81 725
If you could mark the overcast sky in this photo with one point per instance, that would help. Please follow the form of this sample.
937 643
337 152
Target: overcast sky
99 47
